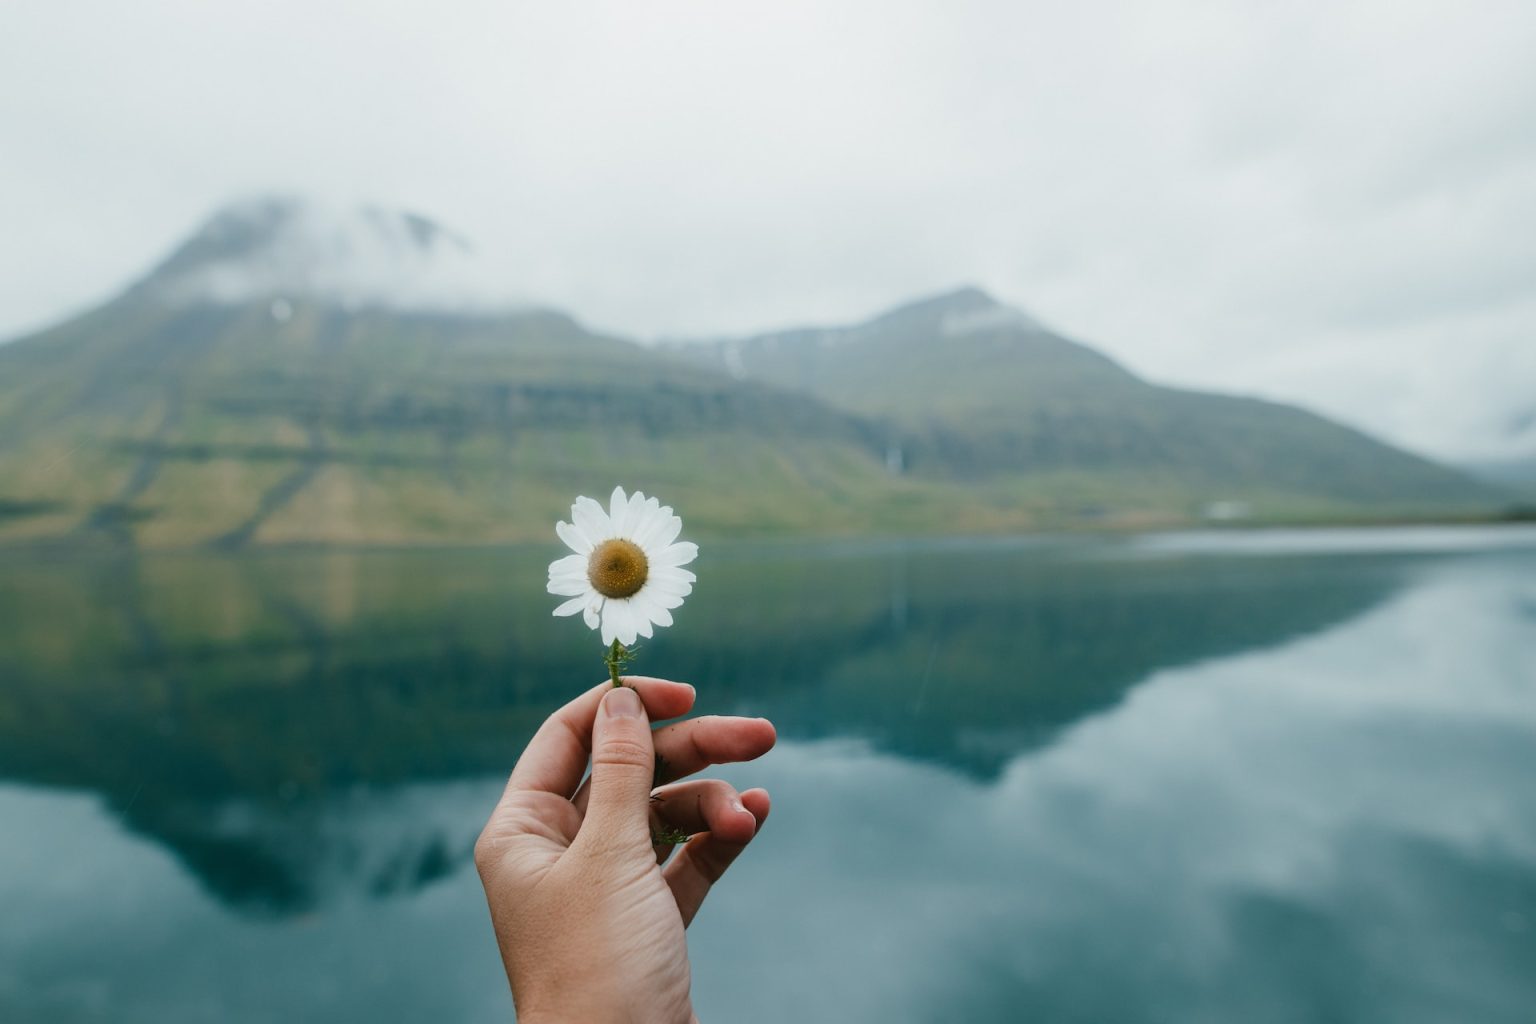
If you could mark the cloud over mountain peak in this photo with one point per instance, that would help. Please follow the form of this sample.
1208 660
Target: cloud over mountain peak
286 247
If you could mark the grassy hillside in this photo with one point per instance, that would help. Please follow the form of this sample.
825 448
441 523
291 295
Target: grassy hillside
972 390
181 424
224 425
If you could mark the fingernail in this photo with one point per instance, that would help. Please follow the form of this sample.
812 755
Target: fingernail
622 702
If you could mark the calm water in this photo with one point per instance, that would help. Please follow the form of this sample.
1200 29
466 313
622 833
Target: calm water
1217 778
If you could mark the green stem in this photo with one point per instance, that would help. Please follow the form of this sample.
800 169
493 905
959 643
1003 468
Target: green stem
616 658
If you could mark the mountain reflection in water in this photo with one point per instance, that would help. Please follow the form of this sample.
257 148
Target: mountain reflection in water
1100 780
230 707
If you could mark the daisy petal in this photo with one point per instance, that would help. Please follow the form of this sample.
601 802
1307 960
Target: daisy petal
572 606
645 602
565 586
610 620
634 515
655 519
680 553
638 621
665 600
669 531
623 621
674 587
673 574
591 612
590 519
575 538
570 565
664 519
618 506
656 516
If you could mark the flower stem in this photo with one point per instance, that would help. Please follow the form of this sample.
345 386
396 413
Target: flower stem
616 659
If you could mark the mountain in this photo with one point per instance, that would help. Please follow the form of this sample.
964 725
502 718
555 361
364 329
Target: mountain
282 377
297 374
1518 473
1513 464
974 390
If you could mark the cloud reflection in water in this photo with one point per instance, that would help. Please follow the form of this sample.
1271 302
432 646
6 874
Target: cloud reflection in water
1339 827
1342 829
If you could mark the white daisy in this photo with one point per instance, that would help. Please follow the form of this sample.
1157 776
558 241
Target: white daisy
626 574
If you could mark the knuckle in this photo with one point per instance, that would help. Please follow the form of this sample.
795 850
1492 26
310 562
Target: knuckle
719 787
625 752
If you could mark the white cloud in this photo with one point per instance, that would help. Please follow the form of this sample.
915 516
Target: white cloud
1315 201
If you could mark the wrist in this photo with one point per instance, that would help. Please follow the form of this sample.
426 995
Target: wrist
582 1012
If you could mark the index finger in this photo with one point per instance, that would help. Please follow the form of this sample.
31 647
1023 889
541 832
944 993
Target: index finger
556 758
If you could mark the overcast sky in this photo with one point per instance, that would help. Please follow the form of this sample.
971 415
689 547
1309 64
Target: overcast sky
1332 203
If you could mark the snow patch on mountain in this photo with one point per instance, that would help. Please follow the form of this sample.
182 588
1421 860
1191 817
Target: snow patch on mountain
280 249
980 321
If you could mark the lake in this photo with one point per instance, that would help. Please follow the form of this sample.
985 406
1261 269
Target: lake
1269 777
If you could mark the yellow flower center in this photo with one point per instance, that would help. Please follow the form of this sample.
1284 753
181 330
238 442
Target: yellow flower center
617 568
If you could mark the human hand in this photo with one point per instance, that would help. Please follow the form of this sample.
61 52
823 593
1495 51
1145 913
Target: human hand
589 914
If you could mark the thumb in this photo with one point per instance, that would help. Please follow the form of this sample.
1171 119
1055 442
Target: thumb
623 767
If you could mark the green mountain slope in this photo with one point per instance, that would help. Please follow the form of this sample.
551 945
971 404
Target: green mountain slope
970 389
221 425
285 379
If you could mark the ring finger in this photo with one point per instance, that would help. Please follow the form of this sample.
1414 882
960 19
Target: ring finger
701 805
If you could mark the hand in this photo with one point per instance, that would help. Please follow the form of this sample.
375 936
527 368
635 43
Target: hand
589 921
